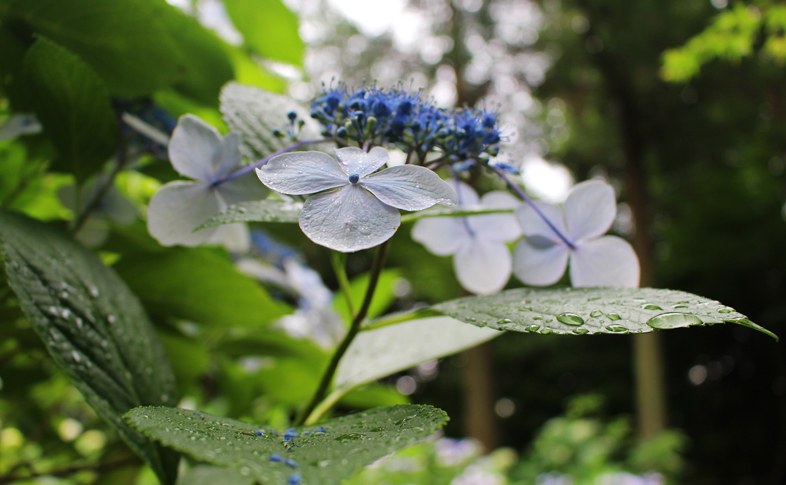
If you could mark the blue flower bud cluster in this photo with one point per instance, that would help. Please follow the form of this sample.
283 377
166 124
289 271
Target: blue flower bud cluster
402 118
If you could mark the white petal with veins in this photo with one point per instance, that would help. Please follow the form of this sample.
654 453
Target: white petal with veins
589 210
302 173
354 160
482 266
195 149
539 261
348 219
409 187
177 209
606 261
441 235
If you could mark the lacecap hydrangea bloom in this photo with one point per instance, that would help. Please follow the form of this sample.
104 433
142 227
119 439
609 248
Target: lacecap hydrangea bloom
574 232
481 258
355 208
198 151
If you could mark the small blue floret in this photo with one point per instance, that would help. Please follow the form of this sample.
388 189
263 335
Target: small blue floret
259 432
353 178
294 479
276 458
320 431
292 116
291 463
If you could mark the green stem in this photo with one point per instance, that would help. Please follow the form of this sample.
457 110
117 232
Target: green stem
337 260
327 378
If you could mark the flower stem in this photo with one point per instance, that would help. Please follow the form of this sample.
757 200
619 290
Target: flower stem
250 168
337 261
327 377
529 201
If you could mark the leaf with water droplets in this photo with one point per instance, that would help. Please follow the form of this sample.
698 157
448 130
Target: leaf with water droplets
586 311
93 326
257 211
323 454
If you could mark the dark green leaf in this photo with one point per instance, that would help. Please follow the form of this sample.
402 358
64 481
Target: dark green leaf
72 104
269 28
257 211
198 285
255 113
349 442
125 41
580 311
213 475
93 326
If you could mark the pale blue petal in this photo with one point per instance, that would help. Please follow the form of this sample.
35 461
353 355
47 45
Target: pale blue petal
354 160
177 209
589 209
465 194
302 173
497 227
539 261
606 261
409 187
482 266
532 224
195 149
231 158
441 235
348 219
243 188
234 237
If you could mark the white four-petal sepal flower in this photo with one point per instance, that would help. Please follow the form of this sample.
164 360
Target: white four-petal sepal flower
542 255
356 208
481 258
198 151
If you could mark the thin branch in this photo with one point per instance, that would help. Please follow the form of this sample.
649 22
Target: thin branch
327 378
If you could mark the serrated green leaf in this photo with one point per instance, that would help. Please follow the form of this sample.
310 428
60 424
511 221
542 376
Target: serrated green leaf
200 286
212 475
269 28
580 311
72 103
255 113
378 353
92 325
348 444
257 211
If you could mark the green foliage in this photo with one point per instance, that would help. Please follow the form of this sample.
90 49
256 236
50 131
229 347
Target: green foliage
383 295
586 311
269 28
92 325
257 211
73 105
349 442
198 285
210 475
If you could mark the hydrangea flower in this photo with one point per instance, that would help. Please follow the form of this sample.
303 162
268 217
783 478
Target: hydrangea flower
480 257
19 124
356 208
198 151
595 260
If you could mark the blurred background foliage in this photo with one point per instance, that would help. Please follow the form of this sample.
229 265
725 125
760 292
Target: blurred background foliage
679 104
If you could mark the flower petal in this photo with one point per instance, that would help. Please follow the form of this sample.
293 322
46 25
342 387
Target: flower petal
465 194
497 227
589 209
441 235
243 188
302 173
606 261
231 157
532 224
539 261
348 219
177 209
482 266
195 148
234 237
409 187
354 160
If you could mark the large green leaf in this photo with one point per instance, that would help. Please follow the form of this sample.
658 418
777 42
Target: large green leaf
198 285
255 113
349 442
125 41
257 211
212 475
73 105
583 311
93 326
268 27
378 353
